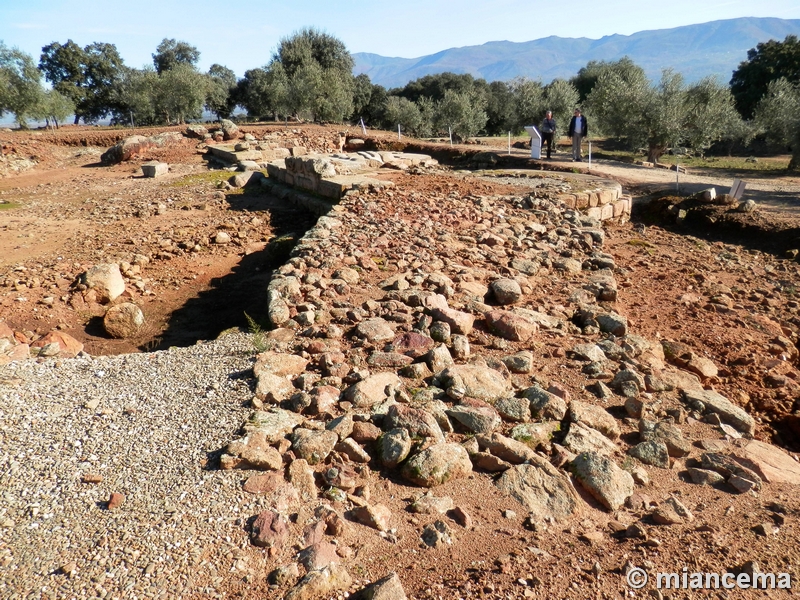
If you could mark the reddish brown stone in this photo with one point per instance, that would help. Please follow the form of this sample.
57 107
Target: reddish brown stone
262 484
323 399
270 530
460 516
314 533
115 500
6 331
365 432
413 344
69 346
318 556
510 326
91 478
19 352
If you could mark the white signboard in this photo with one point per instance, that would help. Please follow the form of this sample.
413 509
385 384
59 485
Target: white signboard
536 141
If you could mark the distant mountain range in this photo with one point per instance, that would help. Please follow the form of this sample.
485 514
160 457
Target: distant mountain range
714 48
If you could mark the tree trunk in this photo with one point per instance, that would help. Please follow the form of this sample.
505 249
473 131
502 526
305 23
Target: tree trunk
794 164
654 152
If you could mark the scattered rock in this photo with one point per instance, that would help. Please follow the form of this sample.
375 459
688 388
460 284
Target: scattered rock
394 447
581 438
511 326
705 477
438 534
270 530
544 405
372 390
542 489
388 588
603 479
595 417
437 465
123 321
506 291
313 446
481 383
428 504
376 516
651 453
106 280
115 500
321 583
770 463
720 405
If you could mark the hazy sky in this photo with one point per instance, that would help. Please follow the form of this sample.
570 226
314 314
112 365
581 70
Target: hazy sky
243 35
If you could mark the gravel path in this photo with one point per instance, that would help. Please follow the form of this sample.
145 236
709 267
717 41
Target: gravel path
145 423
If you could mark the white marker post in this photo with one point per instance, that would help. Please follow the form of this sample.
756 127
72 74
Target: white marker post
363 128
450 131
536 141
398 131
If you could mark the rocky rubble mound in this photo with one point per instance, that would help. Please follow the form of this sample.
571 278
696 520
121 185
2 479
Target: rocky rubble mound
407 339
137 145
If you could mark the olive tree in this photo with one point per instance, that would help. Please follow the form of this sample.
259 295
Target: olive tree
528 102
21 92
135 97
588 76
461 112
648 115
180 93
170 53
264 91
560 97
319 75
221 95
778 115
710 115
54 107
402 112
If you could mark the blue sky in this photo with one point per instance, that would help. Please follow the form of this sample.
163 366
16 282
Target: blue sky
243 35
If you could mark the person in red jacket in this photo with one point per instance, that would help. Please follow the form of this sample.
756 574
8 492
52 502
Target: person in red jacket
578 129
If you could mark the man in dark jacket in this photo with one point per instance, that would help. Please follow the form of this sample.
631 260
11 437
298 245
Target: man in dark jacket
548 128
578 129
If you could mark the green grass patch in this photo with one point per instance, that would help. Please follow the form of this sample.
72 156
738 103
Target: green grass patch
9 205
729 163
212 177
259 337
639 243
768 164
279 249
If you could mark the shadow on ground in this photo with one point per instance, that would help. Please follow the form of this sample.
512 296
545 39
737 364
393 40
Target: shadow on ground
244 290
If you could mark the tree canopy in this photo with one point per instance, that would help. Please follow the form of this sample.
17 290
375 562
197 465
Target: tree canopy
777 115
87 76
21 91
311 75
765 63
588 76
221 97
171 53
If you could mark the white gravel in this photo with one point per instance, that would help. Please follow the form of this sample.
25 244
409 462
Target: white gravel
145 423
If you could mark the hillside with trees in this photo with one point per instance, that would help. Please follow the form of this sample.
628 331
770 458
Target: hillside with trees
310 77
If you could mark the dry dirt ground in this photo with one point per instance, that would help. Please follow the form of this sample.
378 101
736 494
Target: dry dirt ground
722 284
